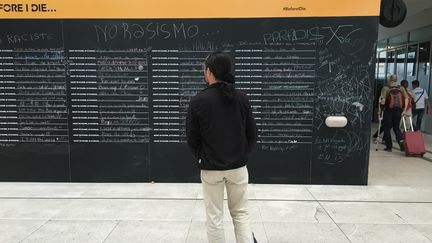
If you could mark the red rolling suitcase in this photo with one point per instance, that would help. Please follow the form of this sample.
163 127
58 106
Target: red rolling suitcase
413 141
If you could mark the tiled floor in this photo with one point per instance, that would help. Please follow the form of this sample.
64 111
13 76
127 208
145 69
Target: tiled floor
395 207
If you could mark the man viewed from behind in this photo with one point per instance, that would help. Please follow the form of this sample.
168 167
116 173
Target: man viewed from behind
419 96
221 133
395 101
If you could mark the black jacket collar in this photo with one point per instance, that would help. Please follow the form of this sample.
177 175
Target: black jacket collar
215 85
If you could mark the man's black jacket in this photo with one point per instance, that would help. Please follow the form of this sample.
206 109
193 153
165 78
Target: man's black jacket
221 133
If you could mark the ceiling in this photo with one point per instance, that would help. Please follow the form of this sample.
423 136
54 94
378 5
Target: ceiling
416 6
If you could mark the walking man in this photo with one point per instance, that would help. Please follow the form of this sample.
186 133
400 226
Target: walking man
395 101
419 96
221 134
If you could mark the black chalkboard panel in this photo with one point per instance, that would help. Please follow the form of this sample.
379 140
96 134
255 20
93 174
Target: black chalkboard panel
344 82
111 95
106 162
108 78
33 102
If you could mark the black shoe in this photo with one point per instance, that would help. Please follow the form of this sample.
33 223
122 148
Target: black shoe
401 146
253 236
388 149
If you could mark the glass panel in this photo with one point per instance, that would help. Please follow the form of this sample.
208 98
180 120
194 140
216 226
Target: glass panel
390 63
381 72
379 80
400 64
412 62
381 46
424 65
398 40
421 34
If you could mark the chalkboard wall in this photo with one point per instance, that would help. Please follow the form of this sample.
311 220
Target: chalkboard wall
105 100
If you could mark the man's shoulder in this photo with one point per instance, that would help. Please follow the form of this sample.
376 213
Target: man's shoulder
199 97
196 97
240 93
242 96
418 90
397 87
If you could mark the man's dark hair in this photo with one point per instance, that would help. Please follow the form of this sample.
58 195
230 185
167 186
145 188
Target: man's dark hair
416 83
220 65
404 83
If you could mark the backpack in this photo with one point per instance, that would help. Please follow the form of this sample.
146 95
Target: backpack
394 98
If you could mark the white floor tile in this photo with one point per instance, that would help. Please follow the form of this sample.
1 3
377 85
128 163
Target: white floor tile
304 233
72 231
384 233
367 213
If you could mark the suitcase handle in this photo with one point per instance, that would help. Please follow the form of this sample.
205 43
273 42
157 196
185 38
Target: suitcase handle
411 123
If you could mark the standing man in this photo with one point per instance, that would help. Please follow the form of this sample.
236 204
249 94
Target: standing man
395 101
419 96
221 134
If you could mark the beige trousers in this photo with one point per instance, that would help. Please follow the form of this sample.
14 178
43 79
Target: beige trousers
236 183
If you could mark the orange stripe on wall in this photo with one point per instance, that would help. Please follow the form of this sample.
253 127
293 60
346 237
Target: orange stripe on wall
64 9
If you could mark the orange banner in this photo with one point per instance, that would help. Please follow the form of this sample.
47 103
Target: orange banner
150 9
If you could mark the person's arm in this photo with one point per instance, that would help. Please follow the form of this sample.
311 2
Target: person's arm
406 98
193 132
251 129
383 95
